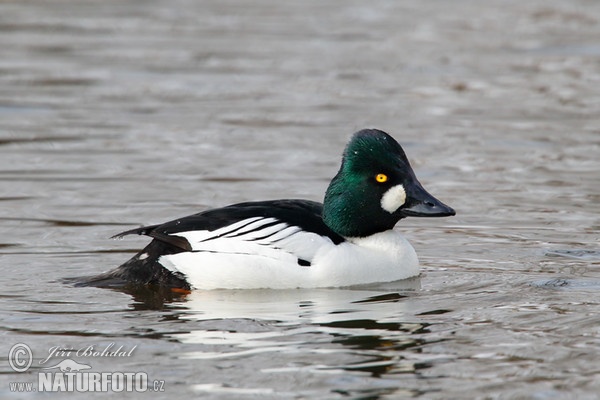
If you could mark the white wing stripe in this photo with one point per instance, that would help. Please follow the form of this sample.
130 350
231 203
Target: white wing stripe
247 229
252 226
282 234
263 233
203 235
226 230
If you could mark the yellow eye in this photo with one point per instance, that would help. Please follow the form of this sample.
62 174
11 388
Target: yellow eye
381 178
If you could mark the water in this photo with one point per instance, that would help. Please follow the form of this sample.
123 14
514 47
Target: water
115 114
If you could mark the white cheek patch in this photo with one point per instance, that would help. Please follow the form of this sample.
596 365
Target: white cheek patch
393 199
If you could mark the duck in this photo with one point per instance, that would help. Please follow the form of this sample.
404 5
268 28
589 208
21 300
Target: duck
347 240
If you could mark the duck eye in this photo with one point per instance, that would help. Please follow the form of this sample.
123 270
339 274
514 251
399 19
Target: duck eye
381 178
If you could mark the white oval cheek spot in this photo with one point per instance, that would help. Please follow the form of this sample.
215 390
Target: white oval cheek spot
393 199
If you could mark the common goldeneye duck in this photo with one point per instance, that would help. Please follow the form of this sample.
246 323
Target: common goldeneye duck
347 240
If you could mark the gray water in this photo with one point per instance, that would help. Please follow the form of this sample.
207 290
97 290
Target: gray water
115 114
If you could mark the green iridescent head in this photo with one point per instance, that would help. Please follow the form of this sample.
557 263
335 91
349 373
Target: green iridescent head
375 188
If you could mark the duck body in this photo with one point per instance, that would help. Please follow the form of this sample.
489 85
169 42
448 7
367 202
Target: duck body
348 240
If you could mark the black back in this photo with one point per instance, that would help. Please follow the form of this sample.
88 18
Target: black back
305 214
144 268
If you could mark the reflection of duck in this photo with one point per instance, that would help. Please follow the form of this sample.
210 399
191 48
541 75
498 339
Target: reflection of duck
69 365
358 329
346 241
314 306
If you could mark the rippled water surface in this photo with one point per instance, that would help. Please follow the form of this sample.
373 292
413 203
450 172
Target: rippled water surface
115 114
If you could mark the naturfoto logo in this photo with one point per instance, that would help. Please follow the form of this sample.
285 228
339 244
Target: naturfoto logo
68 375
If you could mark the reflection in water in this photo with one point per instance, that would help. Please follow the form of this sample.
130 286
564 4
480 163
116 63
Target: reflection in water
235 324
579 254
149 297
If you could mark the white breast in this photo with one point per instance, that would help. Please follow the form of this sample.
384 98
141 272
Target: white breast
382 257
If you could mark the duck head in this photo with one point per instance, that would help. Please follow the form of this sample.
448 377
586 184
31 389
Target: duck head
375 188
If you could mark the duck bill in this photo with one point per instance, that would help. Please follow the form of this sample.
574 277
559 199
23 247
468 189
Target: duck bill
420 203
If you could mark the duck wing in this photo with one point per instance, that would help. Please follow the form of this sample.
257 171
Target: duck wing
264 222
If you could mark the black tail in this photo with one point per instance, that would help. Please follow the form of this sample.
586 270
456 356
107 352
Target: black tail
143 268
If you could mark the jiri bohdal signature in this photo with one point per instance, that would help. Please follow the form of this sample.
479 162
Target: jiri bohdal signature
89 351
